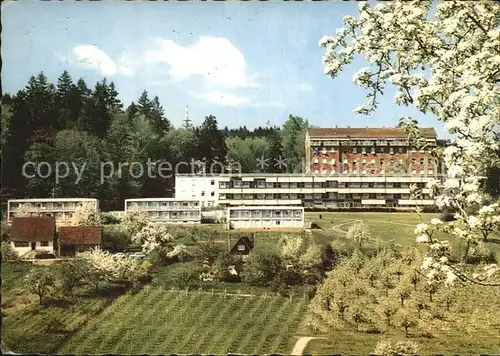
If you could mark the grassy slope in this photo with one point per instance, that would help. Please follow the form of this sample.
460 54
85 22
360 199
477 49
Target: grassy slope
24 321
160 321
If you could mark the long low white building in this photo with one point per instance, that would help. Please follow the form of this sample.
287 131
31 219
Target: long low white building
167 210
265 217
61 209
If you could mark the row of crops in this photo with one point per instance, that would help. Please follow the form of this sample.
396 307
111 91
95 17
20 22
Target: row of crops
42 330
157 321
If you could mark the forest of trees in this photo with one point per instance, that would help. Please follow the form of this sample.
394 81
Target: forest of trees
82 126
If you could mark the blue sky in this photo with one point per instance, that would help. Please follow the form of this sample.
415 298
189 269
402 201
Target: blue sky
246 63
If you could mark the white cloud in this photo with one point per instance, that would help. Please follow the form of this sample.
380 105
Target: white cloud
91 56
224 99
228 99
305 87
214 59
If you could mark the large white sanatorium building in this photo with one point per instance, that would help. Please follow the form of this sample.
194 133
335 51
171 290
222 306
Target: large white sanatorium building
167 210
314 191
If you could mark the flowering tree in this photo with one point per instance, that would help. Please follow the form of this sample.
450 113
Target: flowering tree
133 222
446 64
358 233
292 247
401 348
154 237
39 282
103 266
86 215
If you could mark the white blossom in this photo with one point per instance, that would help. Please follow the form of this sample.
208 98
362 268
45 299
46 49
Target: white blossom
422 238
446 58
421 228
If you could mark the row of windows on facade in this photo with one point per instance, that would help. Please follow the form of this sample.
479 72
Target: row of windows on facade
27 244
366 150
48 205
173 214
372 171
156 204
379 162
329 184
379 142
318 196
67 215
265 213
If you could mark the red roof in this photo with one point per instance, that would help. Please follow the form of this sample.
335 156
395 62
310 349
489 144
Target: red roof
77 235
366 132
32 228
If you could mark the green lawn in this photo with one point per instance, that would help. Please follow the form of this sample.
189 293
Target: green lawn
390 227
158 321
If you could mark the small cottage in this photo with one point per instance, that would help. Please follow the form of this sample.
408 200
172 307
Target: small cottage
32 233
243 247
77 239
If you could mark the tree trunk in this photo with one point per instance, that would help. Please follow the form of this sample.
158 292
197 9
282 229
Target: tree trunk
402 302
467 246
406 331
430 296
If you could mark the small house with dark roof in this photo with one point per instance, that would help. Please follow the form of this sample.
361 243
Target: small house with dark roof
32 233
242 247
77 239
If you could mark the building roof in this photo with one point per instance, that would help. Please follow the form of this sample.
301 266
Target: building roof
32 228
367 132
243 240
78 235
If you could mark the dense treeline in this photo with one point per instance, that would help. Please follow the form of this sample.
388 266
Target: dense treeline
87 132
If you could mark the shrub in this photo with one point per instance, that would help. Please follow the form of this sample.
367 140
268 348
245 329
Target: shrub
385 347
186 275
476 253
115 239
109 219
480 253
73 273
5 230
446 216
8 253
262 267
222 268
342 247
